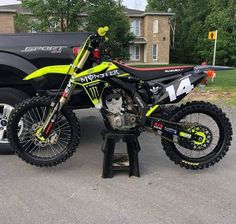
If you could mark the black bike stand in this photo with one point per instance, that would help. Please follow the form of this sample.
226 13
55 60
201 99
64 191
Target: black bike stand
112 161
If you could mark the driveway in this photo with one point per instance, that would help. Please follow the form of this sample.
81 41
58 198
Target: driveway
74 192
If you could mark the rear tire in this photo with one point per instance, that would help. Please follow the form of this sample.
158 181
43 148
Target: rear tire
218 152
9 97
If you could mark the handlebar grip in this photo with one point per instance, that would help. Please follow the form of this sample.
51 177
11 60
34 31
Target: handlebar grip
102 31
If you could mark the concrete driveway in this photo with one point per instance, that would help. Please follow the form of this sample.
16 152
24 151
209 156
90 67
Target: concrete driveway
74 192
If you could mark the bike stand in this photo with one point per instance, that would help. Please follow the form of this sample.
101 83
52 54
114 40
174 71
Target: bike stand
113 161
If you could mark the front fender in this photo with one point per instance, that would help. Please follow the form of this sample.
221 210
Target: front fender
55 69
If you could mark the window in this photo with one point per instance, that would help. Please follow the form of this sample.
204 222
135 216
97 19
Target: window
154 52
135 52
135 27
155 26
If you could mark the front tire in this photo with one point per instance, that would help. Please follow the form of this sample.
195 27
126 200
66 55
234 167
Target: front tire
220 147
57 148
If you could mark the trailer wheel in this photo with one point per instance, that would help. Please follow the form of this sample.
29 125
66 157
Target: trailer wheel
9 97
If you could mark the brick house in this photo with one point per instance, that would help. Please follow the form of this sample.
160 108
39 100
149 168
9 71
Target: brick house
7 20
151 30
152 36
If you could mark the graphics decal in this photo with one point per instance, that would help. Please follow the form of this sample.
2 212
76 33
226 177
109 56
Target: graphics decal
92 77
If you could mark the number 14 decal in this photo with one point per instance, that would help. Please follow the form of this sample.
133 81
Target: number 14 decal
185 86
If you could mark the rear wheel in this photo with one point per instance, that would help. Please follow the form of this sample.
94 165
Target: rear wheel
9 97
214 128
57 147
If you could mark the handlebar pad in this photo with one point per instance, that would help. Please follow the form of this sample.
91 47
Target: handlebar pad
102 31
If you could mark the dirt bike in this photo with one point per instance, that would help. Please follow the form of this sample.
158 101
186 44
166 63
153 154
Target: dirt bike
45 132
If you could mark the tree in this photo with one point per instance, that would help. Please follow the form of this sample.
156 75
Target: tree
111 13
194 19
51 15
225 22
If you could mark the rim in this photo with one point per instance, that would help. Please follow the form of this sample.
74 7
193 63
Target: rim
5 111
57 142
203 120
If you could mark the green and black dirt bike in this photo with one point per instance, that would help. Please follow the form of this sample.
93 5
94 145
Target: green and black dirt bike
45 131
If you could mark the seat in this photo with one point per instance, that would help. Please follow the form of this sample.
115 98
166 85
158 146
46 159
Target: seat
153 73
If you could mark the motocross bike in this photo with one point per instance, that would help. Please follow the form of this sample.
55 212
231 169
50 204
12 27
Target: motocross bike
45 131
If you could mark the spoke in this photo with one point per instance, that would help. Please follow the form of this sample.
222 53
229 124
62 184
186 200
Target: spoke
40 118
7 111
26 143
28 122
28 146
31 118
60 146
63 141
60 127
27 140
2 134
32 148
64 144
43 112
34 115
65 134
52 149
38 151
62 120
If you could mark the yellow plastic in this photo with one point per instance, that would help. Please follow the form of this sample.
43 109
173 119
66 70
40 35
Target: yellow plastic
151 110
55 69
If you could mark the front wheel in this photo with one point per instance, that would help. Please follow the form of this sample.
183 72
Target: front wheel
211 124
58 146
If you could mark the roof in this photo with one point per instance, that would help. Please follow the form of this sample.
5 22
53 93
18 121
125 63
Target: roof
139 40
132 11
7 11
139 13
17 8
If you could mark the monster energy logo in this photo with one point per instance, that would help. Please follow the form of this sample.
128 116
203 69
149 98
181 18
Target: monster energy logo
92 77
94 92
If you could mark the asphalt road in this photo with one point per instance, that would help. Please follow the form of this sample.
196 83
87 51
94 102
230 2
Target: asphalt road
74 192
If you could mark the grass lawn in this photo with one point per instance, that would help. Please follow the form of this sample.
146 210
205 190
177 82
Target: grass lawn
222 90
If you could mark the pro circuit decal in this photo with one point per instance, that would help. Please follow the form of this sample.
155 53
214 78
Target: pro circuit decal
92 77
51 49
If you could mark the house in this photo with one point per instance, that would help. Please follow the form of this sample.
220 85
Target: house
151 30
152 36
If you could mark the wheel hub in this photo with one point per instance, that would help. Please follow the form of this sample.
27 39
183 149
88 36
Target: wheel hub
3 123
5 111
40 141
204 139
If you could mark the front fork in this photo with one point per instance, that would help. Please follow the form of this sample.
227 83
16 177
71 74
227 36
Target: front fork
52 117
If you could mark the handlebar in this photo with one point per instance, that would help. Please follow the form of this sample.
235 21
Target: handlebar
102 31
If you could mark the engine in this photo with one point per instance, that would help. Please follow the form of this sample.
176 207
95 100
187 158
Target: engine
122 113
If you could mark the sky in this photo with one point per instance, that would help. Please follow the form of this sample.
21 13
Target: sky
133 4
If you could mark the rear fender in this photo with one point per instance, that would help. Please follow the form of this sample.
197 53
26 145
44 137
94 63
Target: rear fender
177 88
55 69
